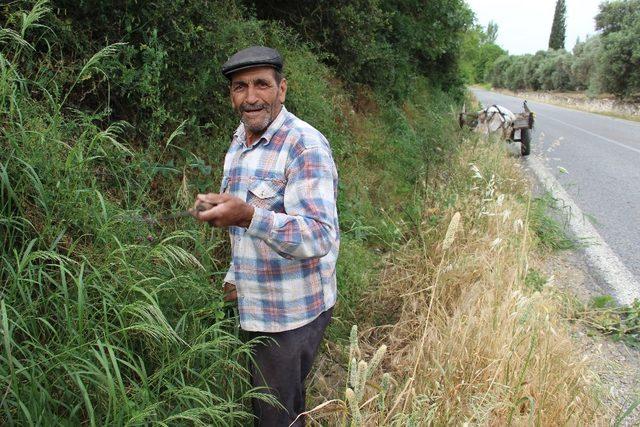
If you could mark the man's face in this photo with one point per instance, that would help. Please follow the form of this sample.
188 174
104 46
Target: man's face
257 97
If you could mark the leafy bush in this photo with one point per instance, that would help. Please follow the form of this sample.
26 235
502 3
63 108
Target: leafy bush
479 52
547 70
489 53
497 72
553 72
514 74
585 70
108 317
379 43
619 22
105 319
606 62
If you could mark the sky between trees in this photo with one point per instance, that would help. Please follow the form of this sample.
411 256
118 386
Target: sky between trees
524 25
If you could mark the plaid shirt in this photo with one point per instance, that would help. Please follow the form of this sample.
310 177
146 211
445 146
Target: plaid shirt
284 263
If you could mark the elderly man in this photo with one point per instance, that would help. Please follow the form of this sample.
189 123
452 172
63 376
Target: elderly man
278 199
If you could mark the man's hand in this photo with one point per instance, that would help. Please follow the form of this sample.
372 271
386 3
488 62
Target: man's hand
222 210
230 293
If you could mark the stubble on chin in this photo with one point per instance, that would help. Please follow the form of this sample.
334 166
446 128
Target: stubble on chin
257 126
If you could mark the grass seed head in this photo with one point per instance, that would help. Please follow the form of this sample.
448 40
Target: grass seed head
450 236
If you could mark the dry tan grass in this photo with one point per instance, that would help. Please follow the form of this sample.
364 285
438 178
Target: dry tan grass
468 342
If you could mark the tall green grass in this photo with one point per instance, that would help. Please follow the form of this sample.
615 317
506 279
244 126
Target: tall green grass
105 319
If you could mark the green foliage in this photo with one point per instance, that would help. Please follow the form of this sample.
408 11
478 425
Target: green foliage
616 15
559 26
169 70
379 43
585 70
470 54
351 35
479 52
492 32
546 70
103 321
535 280
619 22
551 233
514 72
497 74
620 322
106 320
489 54
554 71
607 62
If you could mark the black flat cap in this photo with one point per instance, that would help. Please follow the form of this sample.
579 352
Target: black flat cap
254 56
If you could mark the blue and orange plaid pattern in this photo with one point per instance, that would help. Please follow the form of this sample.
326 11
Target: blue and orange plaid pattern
284 263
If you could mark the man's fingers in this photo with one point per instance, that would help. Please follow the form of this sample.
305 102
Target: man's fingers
211 198
210 214
205 202
219 210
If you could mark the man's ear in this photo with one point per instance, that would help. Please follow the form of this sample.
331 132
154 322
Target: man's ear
282 90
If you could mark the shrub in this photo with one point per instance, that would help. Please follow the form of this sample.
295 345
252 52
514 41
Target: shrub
108 317
620 59
382 44
585 70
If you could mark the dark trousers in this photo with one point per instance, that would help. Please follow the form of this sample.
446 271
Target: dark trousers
282 362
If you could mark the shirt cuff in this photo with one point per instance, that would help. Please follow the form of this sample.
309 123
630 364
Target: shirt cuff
261 224
230 277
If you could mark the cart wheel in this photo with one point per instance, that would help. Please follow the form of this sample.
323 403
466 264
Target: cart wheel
525 141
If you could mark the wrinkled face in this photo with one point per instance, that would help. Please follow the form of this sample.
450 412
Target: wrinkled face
257 97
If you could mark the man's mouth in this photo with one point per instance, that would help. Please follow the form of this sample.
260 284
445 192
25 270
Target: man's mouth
253 109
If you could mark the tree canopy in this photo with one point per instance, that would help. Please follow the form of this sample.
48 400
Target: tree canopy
608 62
559 26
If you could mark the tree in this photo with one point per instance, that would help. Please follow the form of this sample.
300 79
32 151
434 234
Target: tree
489 53
585 70
492 32
619 22
559 27
380 43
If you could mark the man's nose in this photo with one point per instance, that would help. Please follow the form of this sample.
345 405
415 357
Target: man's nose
252 95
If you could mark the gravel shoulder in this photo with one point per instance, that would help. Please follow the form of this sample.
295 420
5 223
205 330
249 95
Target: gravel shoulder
616 364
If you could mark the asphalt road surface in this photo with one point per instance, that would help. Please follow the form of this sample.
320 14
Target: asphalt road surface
596 160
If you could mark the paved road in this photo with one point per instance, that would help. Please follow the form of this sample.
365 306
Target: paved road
601 156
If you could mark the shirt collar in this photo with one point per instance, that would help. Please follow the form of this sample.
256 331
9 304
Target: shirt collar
276 124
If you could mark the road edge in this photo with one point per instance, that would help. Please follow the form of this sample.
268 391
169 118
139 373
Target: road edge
600 256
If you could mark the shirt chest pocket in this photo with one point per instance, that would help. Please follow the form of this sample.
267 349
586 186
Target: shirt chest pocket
266 194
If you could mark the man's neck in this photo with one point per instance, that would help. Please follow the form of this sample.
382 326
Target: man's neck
252 137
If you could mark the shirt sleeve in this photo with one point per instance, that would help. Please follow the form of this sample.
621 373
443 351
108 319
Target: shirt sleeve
230 276
307 229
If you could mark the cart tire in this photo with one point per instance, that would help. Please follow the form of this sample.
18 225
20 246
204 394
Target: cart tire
525 141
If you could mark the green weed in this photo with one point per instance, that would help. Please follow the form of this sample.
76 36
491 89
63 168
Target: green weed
622 323
534 280
551 233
